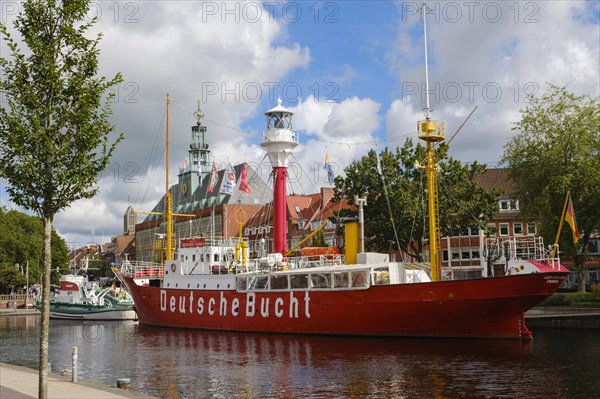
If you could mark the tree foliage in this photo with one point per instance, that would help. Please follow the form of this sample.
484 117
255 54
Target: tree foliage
557 147
462 203
11 280
54 131
319 239
54 127
21 242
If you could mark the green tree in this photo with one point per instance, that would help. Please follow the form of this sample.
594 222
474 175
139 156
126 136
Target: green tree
319 239
21 241
55 123
11 280
462 203
557 147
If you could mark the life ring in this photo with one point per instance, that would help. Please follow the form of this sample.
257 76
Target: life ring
173 267
512 270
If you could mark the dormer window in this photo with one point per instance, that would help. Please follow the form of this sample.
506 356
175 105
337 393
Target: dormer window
297 208
509 205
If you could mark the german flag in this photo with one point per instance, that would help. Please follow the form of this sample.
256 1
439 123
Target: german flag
570 218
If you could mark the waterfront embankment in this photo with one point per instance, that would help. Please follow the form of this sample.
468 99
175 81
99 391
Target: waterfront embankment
563 317
18 382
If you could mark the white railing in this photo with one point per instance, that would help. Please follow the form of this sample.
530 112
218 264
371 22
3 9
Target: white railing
527 248
142 269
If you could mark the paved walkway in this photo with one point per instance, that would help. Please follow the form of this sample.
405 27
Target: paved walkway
18 382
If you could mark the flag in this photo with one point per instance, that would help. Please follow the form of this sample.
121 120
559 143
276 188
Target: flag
244 185
213 178
228 180
329 168
570 218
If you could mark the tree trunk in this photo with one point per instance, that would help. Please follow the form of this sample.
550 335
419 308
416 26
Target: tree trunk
580 266
45 325
581 274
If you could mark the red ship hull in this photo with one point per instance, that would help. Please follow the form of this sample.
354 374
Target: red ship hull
477 308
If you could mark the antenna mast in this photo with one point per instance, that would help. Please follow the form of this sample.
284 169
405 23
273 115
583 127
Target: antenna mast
427 110
431 132
168 200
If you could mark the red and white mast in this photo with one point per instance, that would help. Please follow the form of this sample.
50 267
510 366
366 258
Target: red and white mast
279 141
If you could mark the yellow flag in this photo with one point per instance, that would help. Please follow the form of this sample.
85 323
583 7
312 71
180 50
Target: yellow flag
570 218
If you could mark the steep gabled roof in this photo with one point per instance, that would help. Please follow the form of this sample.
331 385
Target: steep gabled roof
496 178
260 193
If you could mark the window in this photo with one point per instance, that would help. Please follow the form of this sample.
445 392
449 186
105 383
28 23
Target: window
503 229
299 281
301 223
297 208
455 254
508 205
465 254
475 254
260 283
517 229
359 279
445 255
340 279
241 284
319 281
254 230
594 246
531 228
279 282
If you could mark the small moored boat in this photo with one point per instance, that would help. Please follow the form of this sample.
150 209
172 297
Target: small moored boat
81 298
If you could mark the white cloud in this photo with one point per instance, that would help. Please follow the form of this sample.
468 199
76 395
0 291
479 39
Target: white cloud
193 52
493 62
345 131
181 49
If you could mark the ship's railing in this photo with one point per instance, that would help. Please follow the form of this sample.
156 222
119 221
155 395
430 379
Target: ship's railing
526 248
303 262
213 241
142 269
299 262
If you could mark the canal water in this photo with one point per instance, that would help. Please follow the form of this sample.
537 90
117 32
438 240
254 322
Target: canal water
171 363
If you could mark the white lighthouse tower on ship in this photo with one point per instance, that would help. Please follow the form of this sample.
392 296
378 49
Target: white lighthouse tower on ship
279 141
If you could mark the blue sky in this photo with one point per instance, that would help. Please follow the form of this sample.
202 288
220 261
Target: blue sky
358 66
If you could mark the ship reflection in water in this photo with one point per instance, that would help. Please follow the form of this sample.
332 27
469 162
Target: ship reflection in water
172 363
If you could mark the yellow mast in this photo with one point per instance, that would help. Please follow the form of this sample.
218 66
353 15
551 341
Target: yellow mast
431 132
168 211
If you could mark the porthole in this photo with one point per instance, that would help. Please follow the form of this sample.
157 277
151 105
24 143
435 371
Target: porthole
176 285
228 285
204 285
218 285
188 286
197 285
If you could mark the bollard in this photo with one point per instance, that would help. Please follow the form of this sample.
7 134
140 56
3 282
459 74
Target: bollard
123 383
74 372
